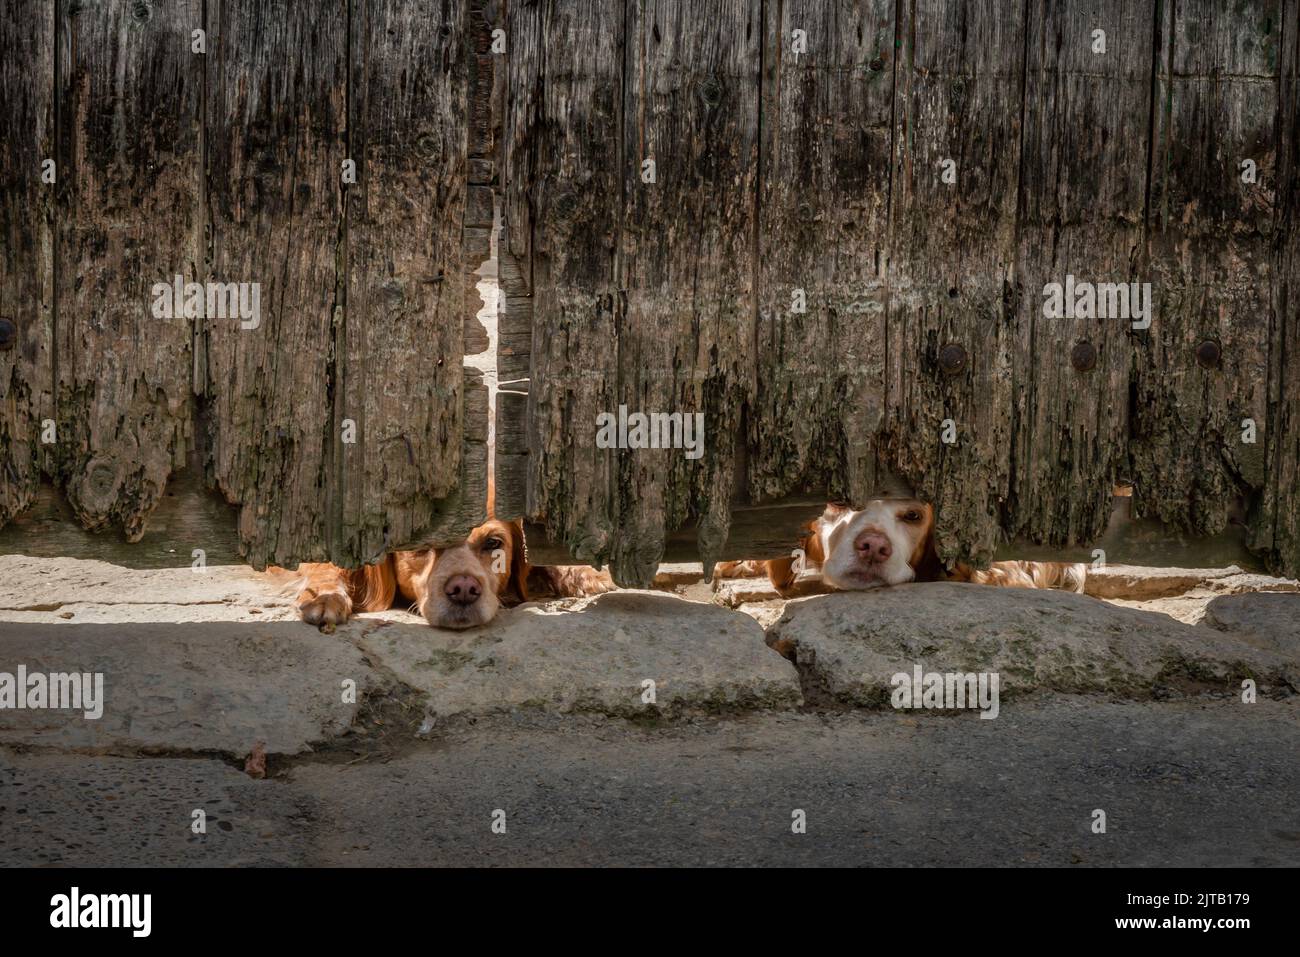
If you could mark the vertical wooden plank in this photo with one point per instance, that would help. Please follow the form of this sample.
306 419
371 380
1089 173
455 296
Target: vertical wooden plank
276 117
514 313
26 248
502 359
562 209
1276 523
827 141
951 301
483 111
1082 201
1210 236
484 83
402 378
686 264
129 160
483 99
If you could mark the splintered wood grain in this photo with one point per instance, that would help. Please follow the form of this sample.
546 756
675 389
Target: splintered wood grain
276 115
129 161
952 257
821 172
1210 239
562 208
483 121
188 516
1082 201
483 97
401 374
482 106
514 315
514 333
827 142
26 248
514 362
1276 523
686 265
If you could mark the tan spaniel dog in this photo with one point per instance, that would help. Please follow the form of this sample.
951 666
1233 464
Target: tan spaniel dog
460 587
889 542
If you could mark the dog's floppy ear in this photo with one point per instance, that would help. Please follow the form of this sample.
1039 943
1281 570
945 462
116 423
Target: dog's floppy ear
781 571
517 587
833 512
372 587
928 567
810 540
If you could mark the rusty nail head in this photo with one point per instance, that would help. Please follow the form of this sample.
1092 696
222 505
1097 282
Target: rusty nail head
1208 353
952 358
877 64
1083 356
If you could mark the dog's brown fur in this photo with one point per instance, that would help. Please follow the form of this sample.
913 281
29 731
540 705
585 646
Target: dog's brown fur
923 558
491 564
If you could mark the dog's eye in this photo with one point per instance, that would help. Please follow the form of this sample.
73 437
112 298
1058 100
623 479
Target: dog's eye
491 544
911 515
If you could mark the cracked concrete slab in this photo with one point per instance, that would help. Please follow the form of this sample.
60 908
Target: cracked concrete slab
674 574
214 661
1179 592
75 590
198 686
1142 583
1268 619
734 592
592 654
849 645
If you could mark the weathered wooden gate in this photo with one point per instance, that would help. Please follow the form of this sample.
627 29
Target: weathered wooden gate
324 151
800 152
830 226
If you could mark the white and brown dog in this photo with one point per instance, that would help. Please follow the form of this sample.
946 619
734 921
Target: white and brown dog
890 541
459 587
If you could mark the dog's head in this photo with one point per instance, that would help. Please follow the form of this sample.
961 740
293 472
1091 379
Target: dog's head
465 586
887 542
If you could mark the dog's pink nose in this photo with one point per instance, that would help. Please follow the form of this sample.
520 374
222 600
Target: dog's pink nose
462 589
873 547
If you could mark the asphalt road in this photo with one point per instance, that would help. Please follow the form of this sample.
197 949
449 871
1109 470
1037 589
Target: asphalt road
1195 782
